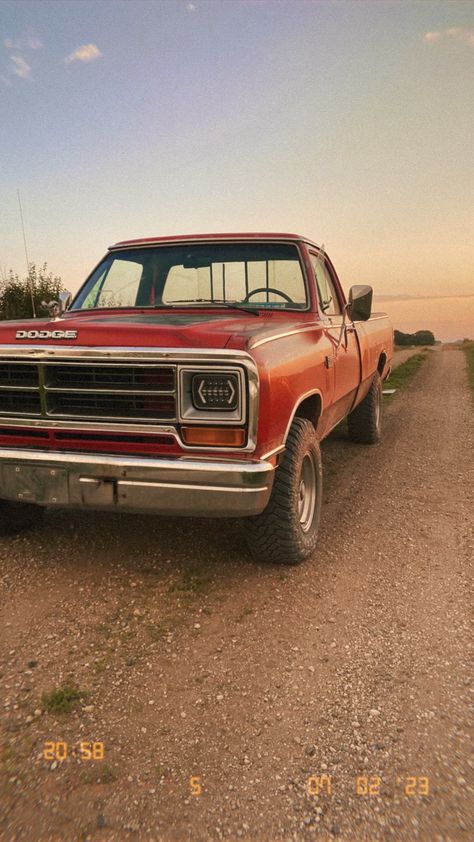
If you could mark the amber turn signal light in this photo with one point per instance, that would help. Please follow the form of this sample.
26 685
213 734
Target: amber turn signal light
214 436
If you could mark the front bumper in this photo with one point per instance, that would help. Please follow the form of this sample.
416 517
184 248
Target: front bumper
182 486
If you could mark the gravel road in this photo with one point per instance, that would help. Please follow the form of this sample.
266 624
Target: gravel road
236 700
400 355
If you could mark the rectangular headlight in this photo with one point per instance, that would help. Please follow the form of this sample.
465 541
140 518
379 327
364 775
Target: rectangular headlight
215 392
212 394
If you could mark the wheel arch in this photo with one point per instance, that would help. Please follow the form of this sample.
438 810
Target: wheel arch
383 358
309 406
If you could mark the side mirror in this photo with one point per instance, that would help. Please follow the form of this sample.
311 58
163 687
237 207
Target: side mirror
359 307
65 298
57 308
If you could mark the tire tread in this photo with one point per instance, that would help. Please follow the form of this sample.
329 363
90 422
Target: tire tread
362 421
274 536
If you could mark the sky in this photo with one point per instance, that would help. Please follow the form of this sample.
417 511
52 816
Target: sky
348 122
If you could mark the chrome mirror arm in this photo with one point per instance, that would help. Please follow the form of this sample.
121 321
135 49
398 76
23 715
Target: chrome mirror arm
345 310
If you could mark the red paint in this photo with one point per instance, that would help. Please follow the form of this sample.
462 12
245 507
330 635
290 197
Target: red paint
290 368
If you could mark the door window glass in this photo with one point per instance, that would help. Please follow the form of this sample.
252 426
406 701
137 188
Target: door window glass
327 296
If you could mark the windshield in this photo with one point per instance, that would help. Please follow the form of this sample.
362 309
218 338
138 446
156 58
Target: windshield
255 275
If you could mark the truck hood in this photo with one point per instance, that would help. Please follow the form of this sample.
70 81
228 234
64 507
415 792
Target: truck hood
149 329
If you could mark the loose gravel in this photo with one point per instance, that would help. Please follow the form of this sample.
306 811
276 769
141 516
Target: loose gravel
237 700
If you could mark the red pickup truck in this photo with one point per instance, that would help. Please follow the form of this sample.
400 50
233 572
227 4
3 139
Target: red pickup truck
192 375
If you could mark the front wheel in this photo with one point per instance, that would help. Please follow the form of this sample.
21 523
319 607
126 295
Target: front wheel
18 517
286 532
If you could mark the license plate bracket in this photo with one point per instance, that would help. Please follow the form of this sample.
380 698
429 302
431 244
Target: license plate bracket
35 484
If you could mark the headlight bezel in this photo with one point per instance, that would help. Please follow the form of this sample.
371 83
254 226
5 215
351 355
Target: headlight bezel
189 413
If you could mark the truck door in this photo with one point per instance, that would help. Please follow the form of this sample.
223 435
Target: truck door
345 358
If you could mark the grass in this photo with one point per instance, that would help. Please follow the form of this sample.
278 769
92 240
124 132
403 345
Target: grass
195 580
399 378
468 349
157 631
63 699
402 374
103 774
107 774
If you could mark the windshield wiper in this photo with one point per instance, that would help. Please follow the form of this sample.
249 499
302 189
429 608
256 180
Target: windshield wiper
229 305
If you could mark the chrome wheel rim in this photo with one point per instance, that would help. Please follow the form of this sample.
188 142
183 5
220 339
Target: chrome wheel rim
307 492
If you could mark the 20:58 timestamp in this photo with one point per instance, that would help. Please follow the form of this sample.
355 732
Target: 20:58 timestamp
85 750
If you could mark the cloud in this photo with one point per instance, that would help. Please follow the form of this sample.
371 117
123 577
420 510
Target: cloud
191 7
456 33
430 37
34 43
31 42
20 67
87 52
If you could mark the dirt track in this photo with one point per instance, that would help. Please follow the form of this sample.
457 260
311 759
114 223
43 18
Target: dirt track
403 354
256 679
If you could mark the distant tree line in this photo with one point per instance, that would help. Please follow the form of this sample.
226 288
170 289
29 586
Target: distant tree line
18 294
421 337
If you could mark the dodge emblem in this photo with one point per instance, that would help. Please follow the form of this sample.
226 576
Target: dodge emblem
46 334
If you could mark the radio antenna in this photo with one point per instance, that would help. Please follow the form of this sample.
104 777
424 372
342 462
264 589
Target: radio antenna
30 283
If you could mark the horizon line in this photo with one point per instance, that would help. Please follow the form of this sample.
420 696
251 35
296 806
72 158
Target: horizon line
402 297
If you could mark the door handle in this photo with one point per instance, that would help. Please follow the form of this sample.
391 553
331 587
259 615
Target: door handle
329 362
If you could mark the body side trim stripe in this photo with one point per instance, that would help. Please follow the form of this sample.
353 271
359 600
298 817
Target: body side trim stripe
266 339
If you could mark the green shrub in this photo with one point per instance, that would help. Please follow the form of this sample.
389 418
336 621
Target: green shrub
63 699
421 337
16 292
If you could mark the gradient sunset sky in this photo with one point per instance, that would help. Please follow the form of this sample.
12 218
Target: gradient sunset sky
348 122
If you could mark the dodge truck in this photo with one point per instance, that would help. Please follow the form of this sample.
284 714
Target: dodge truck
192 375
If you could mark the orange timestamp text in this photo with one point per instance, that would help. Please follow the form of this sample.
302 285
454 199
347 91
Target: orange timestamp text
370 785
85 750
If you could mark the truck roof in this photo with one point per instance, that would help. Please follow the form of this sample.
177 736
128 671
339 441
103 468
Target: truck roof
146 241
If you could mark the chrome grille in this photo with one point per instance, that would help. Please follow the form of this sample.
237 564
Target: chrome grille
14 374
88 405
104 377
78 390
19 402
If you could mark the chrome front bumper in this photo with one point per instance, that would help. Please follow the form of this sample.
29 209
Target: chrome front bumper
182 486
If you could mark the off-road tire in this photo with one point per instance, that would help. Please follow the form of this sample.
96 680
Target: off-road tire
365 422
18 517
280 534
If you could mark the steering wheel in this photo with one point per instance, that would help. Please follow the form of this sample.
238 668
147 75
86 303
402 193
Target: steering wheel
269 289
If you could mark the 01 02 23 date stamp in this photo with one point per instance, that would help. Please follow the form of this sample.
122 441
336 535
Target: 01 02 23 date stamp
325 785
370 785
